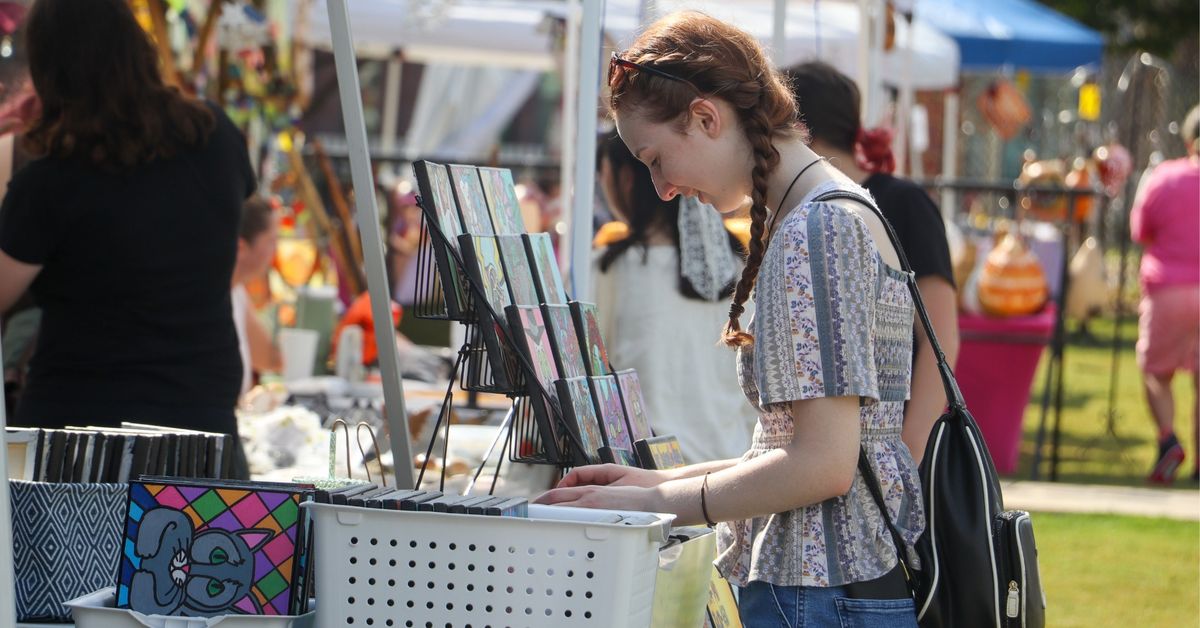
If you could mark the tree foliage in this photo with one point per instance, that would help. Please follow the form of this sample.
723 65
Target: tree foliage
1156 26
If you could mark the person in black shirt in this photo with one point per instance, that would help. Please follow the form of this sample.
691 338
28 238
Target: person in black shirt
829 105
125 229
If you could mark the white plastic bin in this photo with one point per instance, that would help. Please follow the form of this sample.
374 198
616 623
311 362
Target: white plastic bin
386 568
95 610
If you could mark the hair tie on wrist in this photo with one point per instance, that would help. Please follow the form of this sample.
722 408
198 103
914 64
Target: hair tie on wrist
704 503
736 310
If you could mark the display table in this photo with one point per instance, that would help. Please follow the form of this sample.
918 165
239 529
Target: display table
996 363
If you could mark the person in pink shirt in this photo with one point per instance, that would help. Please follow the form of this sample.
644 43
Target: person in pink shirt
1166 221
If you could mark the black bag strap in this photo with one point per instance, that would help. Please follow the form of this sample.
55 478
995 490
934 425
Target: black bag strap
953 394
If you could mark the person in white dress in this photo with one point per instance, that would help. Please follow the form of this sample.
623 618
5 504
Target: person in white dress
659 289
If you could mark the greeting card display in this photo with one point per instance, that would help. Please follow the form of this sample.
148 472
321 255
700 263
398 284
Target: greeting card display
612 412
481 255
567 352
217 548
623 457
437 199
579 413
545 266
472 205
659 452
516 267
635 404
502 200
587 326
618 446
532 339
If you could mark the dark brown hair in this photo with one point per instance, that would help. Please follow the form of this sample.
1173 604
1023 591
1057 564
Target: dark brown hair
257 216
103 98
723 62
829 103
643 210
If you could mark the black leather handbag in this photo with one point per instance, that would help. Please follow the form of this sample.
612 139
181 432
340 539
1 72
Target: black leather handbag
978 562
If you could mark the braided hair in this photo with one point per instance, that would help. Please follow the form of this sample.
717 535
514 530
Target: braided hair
719 61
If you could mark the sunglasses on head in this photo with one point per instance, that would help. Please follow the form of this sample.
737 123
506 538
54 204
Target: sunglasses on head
618 67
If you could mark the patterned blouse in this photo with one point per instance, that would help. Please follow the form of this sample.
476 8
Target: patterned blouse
832 319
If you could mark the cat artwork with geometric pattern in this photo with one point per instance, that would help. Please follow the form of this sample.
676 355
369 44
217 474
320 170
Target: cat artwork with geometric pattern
211 547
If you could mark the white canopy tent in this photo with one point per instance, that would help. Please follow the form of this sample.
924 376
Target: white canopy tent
459 113
517 33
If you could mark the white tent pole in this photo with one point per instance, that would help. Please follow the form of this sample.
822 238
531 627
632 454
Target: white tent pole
367 217
949 149
570 105
584 191
779 35
391 104
865 37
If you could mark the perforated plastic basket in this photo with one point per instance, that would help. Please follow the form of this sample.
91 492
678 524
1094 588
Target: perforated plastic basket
400 568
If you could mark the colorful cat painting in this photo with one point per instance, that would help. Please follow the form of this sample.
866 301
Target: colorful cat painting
566 343
587 325
199 551
471 202
635 404
185 573
516 268
545 266
502 200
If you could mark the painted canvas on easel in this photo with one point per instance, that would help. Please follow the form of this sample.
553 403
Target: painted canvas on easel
587 326
545 268
516 268
502 200
566 344
532 338
612 412
437 199
203 550
471 203
575 398
635 404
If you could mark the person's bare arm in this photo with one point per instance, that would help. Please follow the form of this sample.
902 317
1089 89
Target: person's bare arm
264 354
928 397
15 277
819 463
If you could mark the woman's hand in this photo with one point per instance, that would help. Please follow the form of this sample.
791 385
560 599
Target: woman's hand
606 497
612 475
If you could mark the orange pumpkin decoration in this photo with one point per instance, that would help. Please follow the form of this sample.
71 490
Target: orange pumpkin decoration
1080 178
1011 282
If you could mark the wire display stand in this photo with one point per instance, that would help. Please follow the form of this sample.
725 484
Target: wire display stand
522 438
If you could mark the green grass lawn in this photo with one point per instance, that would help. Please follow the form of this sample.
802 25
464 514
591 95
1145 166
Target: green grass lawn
1107 570
1088 452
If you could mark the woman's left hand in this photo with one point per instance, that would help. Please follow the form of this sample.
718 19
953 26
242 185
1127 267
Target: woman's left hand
607 497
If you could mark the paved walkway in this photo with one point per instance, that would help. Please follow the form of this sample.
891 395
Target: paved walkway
1091 498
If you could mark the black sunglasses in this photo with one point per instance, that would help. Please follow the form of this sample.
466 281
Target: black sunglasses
617 67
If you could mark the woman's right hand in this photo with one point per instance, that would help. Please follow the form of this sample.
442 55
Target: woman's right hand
612 475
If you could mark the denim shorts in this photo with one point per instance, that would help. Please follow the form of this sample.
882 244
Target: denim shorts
764 605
